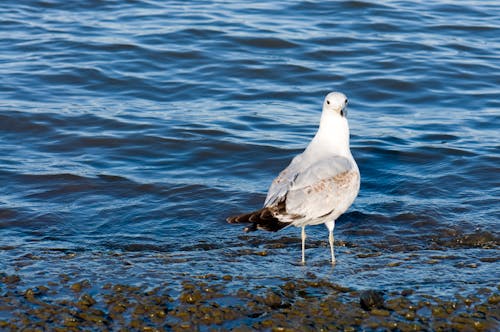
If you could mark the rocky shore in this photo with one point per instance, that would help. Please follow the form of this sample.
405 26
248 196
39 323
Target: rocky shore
203 303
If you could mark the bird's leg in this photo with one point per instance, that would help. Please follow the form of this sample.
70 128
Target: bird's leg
303 244
330 239
331 225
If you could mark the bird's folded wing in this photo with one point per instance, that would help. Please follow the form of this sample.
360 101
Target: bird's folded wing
320 170
321 188
281 183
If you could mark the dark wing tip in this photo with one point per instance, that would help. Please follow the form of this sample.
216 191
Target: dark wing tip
232 219
251 228
260 219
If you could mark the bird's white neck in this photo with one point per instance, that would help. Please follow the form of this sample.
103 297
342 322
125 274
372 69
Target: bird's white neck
332 135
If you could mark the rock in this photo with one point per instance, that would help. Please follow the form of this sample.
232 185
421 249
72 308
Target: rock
10 279
86 301
273 300
406 292
494 299
381 312
371 299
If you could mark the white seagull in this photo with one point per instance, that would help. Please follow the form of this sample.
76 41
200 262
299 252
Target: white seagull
319 184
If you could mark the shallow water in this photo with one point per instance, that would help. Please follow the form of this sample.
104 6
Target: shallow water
129 131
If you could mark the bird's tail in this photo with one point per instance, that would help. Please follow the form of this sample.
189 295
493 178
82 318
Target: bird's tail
260 219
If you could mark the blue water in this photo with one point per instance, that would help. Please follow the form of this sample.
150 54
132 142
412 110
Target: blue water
129 131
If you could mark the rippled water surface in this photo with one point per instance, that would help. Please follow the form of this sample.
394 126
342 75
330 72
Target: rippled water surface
129 131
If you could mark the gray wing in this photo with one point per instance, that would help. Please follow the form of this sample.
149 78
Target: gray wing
326 185
281 183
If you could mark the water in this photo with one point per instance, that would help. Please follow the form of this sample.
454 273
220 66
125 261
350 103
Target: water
129 131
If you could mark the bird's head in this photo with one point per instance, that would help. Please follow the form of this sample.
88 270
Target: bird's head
336 102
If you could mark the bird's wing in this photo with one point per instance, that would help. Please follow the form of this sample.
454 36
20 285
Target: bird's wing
281 183
328 185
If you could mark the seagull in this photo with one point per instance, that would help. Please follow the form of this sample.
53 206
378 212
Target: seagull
318 186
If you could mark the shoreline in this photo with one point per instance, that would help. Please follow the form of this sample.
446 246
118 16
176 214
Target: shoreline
204 303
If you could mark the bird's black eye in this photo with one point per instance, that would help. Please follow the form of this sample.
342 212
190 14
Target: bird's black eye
328 102
346 101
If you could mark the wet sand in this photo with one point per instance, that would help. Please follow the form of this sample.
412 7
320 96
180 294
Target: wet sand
205 303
